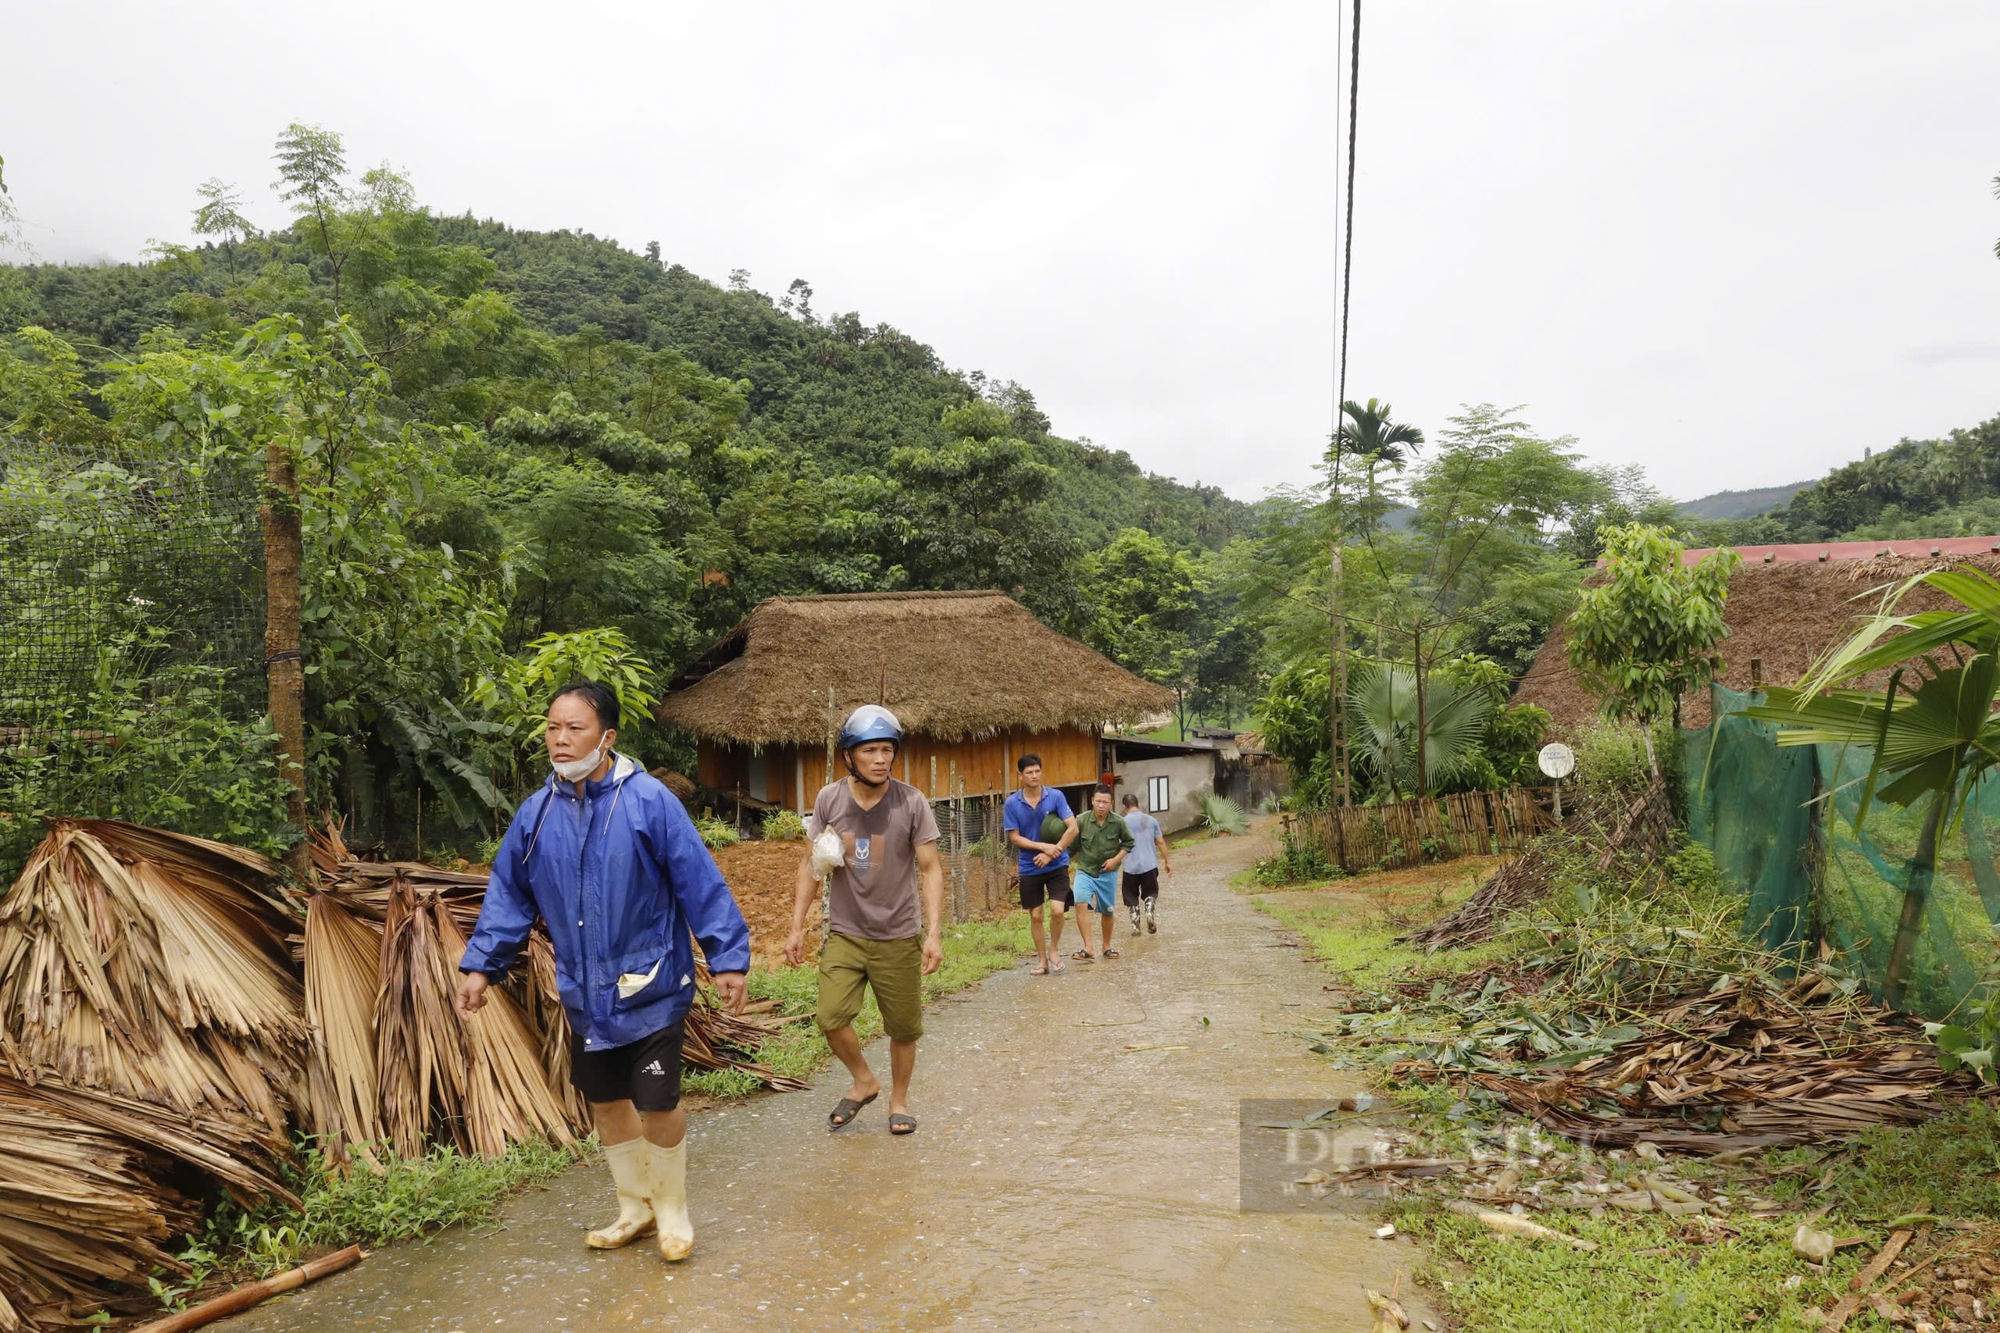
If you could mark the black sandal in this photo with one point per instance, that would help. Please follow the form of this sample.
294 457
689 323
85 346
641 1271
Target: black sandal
901 1124
846 1109
1084 956
1110 953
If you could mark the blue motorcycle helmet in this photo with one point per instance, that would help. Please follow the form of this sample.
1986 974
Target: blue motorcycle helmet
870 722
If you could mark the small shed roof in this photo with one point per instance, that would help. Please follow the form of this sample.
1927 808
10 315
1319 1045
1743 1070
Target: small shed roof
953 665
1784 613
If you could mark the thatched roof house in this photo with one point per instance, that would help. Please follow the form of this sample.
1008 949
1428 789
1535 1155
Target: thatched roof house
973 676
1783 613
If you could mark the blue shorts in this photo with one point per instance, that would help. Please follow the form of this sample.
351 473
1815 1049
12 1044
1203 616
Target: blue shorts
1097 892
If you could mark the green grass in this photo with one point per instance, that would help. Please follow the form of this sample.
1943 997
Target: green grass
1362 950
1949 1166
972 951
1649 1274
410 1197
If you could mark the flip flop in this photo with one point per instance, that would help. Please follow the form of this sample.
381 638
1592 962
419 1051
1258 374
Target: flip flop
845 1110
1110 953
901 1124
1084 956
1058 968
1041 971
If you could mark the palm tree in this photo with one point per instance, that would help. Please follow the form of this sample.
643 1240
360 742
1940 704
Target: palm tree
1368 433
1933 740
1382 708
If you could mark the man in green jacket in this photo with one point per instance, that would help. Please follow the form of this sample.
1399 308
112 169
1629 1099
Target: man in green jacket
1102 841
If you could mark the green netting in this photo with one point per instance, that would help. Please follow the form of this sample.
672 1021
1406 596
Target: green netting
1750 803
1780 822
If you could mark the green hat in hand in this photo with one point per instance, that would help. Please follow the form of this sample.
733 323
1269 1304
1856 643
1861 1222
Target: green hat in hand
1052 828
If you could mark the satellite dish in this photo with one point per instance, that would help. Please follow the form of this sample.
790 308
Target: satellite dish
1556 760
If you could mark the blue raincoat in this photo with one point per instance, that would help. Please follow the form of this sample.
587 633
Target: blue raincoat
622 878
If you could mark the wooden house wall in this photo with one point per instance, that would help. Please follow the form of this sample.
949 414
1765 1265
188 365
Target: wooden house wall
792 775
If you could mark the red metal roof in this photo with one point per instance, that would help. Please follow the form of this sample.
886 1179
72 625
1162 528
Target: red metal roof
1930 548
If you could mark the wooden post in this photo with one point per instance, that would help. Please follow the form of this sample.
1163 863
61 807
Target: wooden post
955 843
284 667
1756 673
832 733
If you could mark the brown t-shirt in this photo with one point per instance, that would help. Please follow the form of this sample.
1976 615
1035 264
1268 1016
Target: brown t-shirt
875 889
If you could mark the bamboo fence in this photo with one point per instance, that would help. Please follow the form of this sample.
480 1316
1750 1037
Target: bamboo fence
1414 832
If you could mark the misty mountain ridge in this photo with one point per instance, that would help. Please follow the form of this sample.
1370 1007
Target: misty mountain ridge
1741 504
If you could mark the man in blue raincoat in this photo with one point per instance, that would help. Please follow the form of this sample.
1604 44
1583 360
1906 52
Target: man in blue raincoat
608 858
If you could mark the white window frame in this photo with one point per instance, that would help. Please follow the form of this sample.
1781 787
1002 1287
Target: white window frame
1159 793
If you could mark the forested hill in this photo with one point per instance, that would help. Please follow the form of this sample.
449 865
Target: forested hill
1947 487
833 390
835 385
1740 504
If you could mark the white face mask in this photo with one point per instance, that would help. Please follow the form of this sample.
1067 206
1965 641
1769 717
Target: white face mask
576 770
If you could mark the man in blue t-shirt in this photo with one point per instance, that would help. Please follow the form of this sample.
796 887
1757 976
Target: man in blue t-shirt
1044 863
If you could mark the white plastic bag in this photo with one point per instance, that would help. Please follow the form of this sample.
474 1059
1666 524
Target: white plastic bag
631 983
827 853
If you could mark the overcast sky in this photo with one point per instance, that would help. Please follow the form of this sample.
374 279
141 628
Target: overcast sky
1734 242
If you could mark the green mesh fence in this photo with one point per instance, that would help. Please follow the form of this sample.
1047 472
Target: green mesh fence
1780 822
116 563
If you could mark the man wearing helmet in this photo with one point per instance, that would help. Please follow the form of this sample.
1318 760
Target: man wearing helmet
879 936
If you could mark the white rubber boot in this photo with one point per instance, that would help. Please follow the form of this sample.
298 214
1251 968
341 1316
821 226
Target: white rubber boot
628 1163
1152 916
668 1170
1135 920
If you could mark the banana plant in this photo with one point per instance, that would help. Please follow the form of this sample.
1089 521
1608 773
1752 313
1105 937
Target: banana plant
1933 727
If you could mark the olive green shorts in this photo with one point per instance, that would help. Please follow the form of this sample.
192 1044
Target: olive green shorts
894 969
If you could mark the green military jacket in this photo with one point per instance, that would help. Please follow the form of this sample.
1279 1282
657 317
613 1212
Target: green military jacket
1097 843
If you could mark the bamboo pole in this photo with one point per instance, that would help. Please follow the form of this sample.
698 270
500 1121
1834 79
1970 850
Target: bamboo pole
233 1302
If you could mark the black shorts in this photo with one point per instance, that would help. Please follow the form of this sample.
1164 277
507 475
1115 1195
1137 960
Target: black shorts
1046 884
646 1072
1138 882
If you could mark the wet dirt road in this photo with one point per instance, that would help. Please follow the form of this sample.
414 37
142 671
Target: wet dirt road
1059 1180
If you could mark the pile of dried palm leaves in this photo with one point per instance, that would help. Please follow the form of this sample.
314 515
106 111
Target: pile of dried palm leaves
1750 1064
169 1013
1613 830
393 1063
153 1045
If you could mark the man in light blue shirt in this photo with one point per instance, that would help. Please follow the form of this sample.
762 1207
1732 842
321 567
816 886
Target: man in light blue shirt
1148 857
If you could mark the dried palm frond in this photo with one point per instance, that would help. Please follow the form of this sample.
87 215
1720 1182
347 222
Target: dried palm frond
420 1044
550 1023
153 965
508 1097
1752 1063
343 971
92 1184
717 1039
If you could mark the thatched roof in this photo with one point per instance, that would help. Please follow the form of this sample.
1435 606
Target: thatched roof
950 664
1785 613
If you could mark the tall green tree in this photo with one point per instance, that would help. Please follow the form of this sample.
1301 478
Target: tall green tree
1476 547
1146 612
1644 636
975 515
